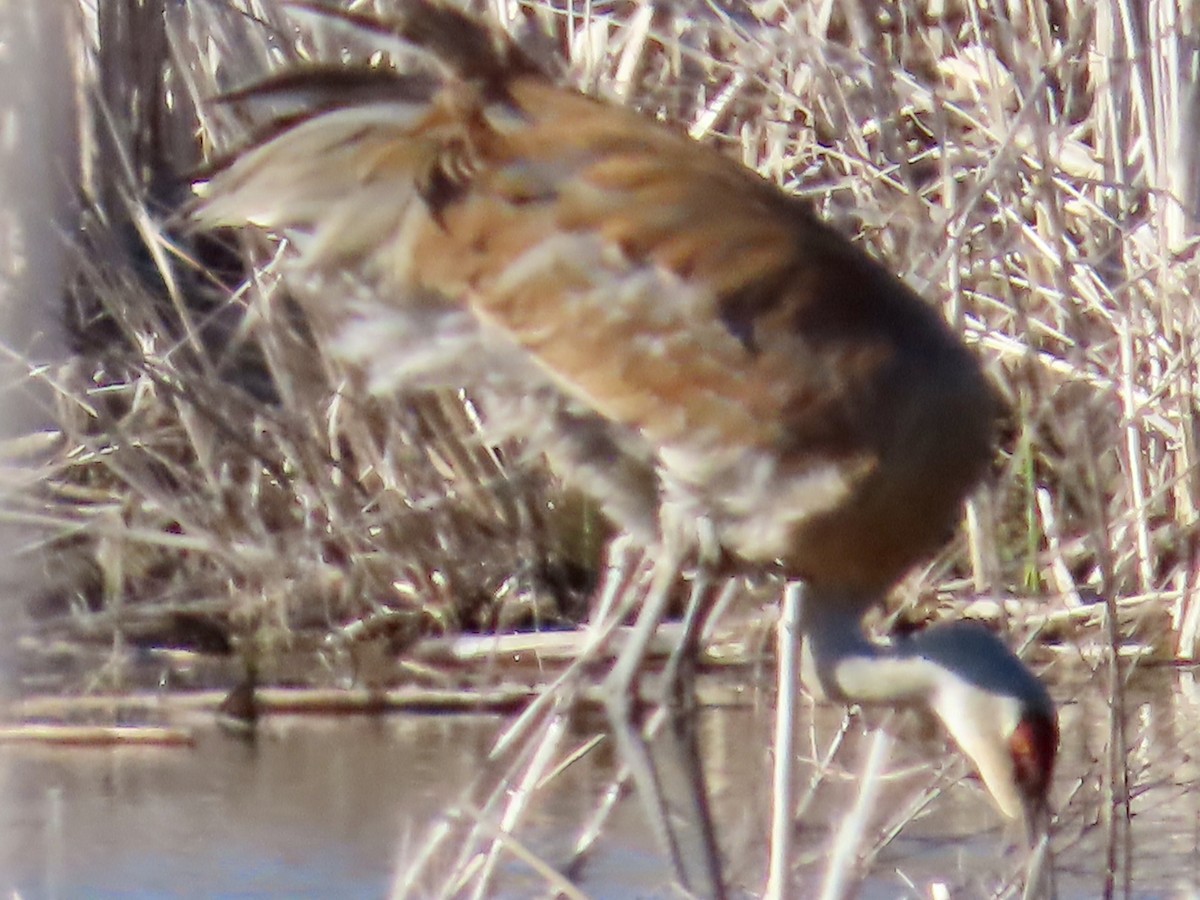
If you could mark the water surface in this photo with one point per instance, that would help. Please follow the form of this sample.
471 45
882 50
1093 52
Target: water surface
336 806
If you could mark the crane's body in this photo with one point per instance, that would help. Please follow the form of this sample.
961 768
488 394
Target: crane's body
815 410
719 367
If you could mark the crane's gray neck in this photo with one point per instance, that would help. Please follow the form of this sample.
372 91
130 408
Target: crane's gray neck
842 665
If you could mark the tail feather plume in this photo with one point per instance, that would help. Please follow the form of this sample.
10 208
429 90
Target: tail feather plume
340 152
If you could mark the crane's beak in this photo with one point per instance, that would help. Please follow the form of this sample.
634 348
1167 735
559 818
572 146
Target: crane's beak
1035 819
1033 747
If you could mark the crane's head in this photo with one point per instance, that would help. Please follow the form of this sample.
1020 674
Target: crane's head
995 708
998 713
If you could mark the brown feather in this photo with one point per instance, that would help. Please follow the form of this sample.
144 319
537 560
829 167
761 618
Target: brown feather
817 409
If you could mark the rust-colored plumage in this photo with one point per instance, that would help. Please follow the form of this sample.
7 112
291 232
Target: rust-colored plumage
781 382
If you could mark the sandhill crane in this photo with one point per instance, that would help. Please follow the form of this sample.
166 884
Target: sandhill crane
731 379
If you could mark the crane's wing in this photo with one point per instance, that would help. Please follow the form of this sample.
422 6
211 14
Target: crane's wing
781 378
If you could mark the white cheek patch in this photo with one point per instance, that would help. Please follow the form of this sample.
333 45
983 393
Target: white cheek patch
980 727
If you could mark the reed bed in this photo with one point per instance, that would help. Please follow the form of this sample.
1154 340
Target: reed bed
216 481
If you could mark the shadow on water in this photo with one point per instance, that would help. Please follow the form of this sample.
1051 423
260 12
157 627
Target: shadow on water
332 806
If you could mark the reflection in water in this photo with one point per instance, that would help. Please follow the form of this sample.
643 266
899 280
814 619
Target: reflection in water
332 807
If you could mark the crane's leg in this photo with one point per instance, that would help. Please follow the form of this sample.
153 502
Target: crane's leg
779 864
675 681
621 699
699 870
679 686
